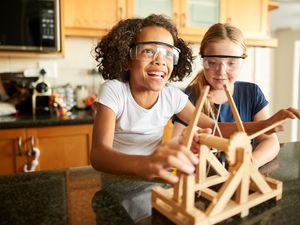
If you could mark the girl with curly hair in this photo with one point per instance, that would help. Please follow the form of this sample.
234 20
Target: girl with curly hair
137 58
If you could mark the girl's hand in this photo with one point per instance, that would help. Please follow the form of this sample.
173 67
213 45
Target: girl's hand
170 155
196 140
289 113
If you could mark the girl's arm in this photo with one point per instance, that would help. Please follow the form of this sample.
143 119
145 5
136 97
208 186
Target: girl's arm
267 146
228 129
105 158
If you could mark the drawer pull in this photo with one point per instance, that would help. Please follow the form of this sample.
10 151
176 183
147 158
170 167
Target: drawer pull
20 146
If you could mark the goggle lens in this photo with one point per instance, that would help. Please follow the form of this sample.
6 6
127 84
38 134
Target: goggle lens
148 51
231 64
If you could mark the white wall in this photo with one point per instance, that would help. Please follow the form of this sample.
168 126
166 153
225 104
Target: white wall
286 73
72 68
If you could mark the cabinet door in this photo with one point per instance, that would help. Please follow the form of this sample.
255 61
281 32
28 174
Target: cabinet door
12 150
92 17
251 16
62 146
191 17
195 16
143 8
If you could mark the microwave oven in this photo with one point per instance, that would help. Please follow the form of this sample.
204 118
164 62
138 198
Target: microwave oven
30 25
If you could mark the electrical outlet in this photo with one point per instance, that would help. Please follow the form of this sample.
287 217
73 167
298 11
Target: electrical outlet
50 67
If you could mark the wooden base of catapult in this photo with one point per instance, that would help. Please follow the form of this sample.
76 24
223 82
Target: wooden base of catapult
242 186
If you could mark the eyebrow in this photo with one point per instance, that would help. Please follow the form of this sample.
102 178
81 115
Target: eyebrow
225 56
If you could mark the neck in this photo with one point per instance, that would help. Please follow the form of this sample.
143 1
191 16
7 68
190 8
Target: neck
145 99
219 96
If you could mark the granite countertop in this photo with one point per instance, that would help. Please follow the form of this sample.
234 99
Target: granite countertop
74 196
26 121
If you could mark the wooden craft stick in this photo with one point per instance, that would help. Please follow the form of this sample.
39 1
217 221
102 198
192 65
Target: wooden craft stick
234 110
189 134
188 138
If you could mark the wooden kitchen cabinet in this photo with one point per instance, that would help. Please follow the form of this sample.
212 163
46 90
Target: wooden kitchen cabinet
12 150
92 18
59 146
251 16
193 17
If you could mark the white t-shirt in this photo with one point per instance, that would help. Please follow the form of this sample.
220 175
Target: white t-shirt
139 130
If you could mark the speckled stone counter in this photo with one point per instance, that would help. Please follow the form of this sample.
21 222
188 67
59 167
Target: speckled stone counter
54 197
73 196
26 121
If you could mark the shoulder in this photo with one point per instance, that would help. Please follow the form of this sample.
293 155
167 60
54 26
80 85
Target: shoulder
174 98
113 95
113 84
112 89
246 88
244 84
172 90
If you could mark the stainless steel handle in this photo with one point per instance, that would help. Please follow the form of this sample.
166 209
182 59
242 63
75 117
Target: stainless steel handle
20 146
33 152
32 143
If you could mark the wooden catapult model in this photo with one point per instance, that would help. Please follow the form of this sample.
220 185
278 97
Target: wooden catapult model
240 188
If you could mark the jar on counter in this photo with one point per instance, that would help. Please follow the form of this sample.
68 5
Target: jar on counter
81 95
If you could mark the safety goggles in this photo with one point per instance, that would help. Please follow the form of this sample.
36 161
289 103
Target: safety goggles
149 50
230 63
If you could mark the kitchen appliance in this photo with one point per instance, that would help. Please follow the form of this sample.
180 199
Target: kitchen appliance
41 96
17 90
30 25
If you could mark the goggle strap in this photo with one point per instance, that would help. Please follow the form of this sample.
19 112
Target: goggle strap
224 56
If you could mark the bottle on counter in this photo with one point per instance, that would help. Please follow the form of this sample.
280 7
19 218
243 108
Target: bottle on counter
81 95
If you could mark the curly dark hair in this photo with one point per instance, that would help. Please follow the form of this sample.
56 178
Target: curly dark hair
112 52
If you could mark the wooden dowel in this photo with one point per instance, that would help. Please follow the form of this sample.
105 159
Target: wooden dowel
214 141
189 134
234 110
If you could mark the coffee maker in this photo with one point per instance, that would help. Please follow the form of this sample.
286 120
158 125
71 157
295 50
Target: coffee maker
41 96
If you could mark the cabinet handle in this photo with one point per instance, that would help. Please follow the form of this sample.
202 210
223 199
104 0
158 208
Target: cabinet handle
175 18
32 143
228 20
20 146
183 18
35 152
120 13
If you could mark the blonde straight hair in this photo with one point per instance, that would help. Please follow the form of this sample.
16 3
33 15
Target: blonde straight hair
214 34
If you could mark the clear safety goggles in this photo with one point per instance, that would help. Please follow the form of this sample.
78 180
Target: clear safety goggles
149 50
230 63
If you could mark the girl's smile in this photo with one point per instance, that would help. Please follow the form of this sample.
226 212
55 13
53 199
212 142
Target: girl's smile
159 75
